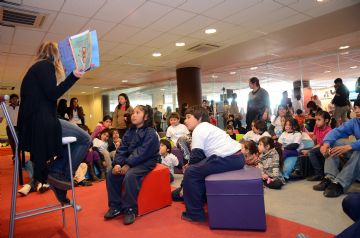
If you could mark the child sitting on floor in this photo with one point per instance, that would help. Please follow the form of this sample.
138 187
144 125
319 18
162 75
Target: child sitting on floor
167 158
250 152
230 131
175 130
270 163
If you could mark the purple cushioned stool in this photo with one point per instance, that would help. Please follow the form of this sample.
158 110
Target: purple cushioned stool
236 200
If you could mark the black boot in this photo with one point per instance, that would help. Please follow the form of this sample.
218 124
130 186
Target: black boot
92 173
101 169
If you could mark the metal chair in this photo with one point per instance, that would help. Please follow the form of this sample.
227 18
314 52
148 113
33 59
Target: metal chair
41 210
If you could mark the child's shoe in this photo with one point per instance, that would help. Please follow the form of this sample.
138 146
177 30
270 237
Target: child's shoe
25 190
322 185
333 190
129 217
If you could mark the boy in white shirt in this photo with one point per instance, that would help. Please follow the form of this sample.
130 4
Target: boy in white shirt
212 151
176 130
167 158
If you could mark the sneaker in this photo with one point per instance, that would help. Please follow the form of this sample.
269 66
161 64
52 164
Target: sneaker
186 217
296 175
111 213
129 217
322 185
25 190
83 183
315 178
333 190
55 181
42 187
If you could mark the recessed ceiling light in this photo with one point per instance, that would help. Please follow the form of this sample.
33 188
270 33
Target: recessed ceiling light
353 67
162 89
327 71
319 0
96 87
83 92
156 54
210 31
179 44
253 68
343 47
214 76
124 81
232 72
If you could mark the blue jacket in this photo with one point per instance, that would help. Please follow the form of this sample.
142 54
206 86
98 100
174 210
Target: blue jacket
347 129
138 146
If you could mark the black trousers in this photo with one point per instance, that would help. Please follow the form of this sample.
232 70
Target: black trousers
351 206
126 198
11 138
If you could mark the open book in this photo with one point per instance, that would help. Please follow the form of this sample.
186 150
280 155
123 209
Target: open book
80 51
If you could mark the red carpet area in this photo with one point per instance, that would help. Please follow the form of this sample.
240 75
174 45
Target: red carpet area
164 223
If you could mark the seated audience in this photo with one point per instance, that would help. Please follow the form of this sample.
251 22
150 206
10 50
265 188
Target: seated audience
310 119
175 130
167 158
230 131
250 151
212 152
291 141
300 118
335 181
105 123
136 157
270 163
101 145
276 127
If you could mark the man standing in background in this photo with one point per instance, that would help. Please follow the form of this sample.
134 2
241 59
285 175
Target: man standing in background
341 101
13 109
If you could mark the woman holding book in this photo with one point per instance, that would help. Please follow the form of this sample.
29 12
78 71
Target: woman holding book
40 130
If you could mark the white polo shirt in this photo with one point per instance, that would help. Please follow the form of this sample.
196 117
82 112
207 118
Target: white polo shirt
213 141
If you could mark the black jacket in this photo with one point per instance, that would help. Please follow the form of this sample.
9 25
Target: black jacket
39 127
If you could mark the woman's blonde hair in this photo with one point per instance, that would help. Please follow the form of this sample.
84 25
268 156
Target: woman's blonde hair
49 51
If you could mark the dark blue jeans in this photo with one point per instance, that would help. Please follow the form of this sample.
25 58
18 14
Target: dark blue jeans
317 161
194 181
351 206
78 150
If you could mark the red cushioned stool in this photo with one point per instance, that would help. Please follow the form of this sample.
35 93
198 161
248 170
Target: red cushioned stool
155 192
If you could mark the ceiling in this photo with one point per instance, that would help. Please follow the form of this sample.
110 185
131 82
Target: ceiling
286 39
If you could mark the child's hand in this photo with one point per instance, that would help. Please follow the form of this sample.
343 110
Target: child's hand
265 176
116 170
124 169
305 152
185 167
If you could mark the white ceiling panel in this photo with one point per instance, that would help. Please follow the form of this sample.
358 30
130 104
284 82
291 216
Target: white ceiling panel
144 36
24 49
105 46
222 30
69 24
228 8
193 25
171 20
55 37
122 49
171 3
140 52
32 37
253 13
120 33
330 7
199 6
82 7
164 39
14 60
116 11
286 2
15 1
54 5
49 19
6 34
272 17
146 14
4 48
101 27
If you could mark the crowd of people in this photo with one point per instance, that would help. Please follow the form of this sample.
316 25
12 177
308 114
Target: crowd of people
125 146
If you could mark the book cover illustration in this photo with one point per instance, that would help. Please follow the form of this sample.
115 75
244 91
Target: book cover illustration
80 51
